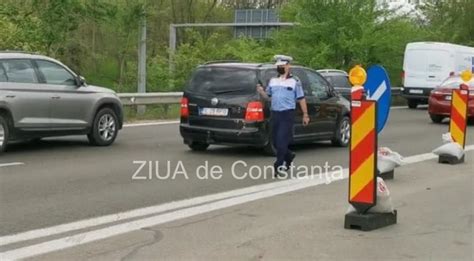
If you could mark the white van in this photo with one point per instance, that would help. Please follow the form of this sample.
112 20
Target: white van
427 64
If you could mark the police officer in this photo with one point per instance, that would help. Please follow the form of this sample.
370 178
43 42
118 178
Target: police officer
284 91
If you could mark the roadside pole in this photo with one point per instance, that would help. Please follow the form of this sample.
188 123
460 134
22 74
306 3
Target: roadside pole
142 62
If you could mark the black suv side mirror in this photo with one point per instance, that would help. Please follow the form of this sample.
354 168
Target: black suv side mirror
81 81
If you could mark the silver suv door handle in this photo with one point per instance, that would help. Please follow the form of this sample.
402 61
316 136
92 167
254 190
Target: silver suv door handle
10 96
56 97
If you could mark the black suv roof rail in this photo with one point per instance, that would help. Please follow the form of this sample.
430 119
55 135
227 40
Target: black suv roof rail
292 64
16 51
223 61
331 70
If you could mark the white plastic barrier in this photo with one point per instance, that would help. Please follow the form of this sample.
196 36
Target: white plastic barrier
384 201
449 147
388 160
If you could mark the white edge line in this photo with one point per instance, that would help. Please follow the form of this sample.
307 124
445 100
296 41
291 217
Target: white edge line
11 164
150 124
406 107
86 237
398 107
54 230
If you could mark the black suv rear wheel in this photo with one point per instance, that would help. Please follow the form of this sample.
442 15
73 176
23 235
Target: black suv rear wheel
104 128
412 104
4 133
343 132
436 118
198 146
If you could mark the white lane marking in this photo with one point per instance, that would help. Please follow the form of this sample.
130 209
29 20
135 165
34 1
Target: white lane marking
82 224
406 107
429 156
398 107
270 190
149 124
11 164
86 237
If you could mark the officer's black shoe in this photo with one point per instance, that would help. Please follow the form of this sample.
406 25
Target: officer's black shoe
290 160
279 171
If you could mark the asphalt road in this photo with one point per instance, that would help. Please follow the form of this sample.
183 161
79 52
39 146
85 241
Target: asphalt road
64 179
435 222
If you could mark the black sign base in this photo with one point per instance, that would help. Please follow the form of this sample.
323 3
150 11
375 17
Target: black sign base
387 175
449 159
369 221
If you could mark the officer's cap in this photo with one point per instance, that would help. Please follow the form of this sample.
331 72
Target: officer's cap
282 59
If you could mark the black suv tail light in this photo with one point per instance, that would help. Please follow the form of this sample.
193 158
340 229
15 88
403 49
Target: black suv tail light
184 107
254 111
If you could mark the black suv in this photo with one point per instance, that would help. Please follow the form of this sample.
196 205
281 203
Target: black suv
220 105
339 80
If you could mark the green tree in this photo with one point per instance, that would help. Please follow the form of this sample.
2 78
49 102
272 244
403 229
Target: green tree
450 21
20 28
340 34
58 19
99 38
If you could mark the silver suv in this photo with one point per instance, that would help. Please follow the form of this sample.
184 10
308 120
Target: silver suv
41 97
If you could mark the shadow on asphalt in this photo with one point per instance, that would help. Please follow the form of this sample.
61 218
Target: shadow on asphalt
46 144
445 121
470 121
251 152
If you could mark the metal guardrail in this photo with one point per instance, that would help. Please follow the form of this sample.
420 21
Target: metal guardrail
174 97
150 98
396 91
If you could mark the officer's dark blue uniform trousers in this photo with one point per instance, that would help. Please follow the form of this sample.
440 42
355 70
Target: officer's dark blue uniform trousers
282 132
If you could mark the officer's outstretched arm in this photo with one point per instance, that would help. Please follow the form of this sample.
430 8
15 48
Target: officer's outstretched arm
304 109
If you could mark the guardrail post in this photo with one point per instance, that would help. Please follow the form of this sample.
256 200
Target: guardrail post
172 51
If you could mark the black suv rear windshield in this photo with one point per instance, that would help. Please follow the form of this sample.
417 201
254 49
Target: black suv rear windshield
223 80
338 81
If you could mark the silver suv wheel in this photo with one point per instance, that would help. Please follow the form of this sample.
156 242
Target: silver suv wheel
3 133
107 127
104 129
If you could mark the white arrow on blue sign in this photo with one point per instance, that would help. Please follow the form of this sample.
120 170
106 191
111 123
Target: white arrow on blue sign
378 89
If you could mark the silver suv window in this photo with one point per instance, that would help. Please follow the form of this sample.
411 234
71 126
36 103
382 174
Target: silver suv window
19 71
3 74
55 74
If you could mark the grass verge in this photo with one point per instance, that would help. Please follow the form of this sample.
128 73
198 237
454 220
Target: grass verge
152 112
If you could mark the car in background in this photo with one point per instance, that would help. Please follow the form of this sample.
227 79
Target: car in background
221 105
41 97
439 104
427 64
339 80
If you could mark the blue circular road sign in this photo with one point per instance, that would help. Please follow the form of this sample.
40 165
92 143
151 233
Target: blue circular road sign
378 88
